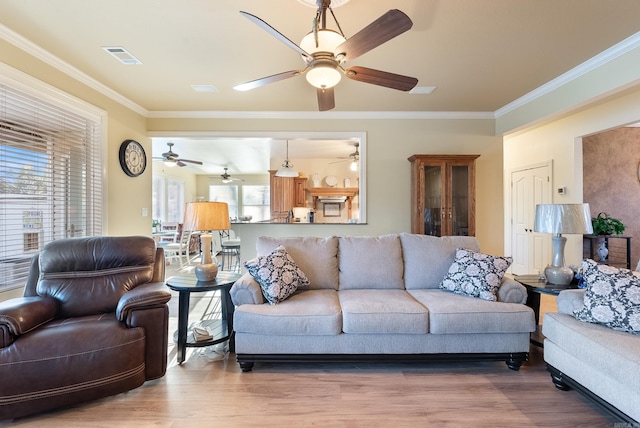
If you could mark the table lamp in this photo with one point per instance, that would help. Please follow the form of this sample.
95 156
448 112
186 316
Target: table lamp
559 219
205 217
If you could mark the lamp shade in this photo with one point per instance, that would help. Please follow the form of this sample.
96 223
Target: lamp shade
204 216
563 218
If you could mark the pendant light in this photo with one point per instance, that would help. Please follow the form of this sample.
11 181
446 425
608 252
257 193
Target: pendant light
287 167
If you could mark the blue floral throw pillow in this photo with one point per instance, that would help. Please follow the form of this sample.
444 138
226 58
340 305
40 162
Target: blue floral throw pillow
612 297
278 275
476 274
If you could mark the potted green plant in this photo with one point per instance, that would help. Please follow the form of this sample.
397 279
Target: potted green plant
605 225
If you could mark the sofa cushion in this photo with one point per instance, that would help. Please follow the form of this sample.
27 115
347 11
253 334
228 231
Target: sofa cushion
307 312
475 274
317 257
427 258
451 313
382 312
370 262
612 297
278 275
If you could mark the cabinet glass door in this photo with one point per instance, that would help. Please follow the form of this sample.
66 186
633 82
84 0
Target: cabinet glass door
459 213
433 200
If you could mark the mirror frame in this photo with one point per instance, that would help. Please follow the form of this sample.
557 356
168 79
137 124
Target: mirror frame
320 135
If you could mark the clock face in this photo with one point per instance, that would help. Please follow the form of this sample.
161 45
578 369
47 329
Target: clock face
133 159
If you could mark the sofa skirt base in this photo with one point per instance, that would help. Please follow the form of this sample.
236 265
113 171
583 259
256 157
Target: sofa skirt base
566 383
513 360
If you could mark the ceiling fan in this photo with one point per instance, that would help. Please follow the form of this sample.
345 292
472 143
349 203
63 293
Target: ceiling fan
325 51
172 159
226 177
354 158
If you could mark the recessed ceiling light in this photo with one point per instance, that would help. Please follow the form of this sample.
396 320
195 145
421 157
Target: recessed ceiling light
422 90
204 88
122 55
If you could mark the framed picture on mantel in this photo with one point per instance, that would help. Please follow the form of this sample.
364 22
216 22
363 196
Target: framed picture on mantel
331 209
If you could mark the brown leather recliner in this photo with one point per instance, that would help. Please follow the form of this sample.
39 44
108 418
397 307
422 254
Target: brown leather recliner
93 322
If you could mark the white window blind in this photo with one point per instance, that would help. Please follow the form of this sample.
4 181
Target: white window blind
50 178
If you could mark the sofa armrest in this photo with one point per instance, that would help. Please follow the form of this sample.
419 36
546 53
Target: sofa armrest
246 291
511 291
570 300
23 314
149 295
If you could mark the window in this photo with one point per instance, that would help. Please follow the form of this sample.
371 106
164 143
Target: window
228 194
175 200
50 174
158 198
256 201
167 199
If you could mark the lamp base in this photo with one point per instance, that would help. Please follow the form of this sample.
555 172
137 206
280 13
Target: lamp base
558 275
206 272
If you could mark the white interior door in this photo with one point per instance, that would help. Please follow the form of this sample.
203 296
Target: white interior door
530 250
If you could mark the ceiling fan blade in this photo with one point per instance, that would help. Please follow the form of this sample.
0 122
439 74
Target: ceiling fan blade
326 99
381 78
180 163
266 80
190 161
275 33
383 29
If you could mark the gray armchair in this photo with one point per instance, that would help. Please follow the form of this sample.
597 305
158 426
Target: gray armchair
93 322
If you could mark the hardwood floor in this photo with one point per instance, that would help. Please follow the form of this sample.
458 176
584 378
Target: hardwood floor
204 393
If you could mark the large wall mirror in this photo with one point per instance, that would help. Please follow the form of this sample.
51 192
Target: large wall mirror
246 171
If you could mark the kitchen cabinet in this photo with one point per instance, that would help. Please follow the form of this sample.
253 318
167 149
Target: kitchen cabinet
443 194
286 193
299 194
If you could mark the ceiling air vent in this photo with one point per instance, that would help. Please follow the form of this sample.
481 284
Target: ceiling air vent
122 55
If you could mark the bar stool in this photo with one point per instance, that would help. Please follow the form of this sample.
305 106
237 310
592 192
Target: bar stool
230 252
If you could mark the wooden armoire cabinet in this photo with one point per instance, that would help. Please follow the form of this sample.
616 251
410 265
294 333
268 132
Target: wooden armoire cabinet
443 195
286 193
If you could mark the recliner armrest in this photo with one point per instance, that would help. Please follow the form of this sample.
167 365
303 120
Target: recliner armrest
246 291
23 314
152 294
511 291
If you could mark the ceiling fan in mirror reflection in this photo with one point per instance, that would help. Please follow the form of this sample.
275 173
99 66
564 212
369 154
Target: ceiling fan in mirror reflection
172 159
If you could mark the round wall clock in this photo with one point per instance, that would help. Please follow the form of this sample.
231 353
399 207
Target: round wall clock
133 159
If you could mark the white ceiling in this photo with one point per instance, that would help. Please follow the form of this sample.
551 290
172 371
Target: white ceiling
480 55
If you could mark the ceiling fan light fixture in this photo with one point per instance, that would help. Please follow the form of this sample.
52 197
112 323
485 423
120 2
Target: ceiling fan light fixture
328 41
354 165
170 162
323 76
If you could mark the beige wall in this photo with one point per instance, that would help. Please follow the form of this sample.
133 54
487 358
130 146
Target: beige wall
389 144
561 142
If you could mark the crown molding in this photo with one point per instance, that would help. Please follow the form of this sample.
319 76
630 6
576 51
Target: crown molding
321 115
616 51
36 51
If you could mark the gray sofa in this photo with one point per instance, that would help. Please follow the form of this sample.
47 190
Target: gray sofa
378 299
599 362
